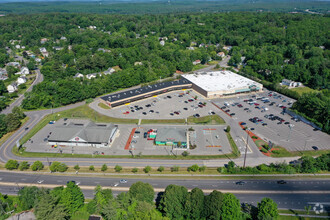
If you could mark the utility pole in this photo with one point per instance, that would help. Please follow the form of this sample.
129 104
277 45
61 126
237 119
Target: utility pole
247 142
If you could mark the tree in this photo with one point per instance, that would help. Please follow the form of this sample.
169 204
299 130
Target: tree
142 192
29 197
161 169
37 165
228 129
212 205
11 165
12 122
118 168
101 198
147 169
104 168
18 112
202 168
91 168
173 201
195 204
231 207
3 88
135 170
72 197
109 211
267 209
48 208
23 166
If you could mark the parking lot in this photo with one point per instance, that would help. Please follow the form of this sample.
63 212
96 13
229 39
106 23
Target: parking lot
264 117
211 140
172 105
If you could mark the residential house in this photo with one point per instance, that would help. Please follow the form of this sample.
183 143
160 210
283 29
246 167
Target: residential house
162 42
63 38
22 47
221 54
91 27
78 75
18 46
38 60
202 45
227 48
57 48
91 76
14 64
44 52
12 87
109 71
137 36
291 83
3 74
21 80
138 63
190 48
193 43
196 62
24 71
104 50
43 40
70 47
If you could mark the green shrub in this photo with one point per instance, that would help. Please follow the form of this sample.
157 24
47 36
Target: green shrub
37 165
135 170
202 168
193 168
58 167
254 137
161 169
91 168
174 169
118 168
263 150
104 168
23 166
147 169
185 153
11 165
76 167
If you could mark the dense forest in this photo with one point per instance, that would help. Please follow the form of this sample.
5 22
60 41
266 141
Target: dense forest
275 46
138 203
164 6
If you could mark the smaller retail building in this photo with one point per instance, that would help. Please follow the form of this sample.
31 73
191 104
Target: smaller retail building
86 134
171 136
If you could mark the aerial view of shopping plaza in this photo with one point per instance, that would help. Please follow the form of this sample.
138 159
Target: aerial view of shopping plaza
210 113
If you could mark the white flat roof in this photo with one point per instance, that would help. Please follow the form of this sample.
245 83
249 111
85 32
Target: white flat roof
220 80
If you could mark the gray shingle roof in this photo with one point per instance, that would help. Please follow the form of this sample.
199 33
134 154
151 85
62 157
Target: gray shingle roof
171 135
90 132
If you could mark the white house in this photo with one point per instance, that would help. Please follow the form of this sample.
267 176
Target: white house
91 76
24 71
78 75
196 62
21 80
221 54
43 40
57 48
63 38
228 48
12 87
162 42
109 71
291 83
190 48
138 64
43 50
18 46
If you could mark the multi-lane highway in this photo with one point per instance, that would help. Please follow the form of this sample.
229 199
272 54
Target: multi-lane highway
293 194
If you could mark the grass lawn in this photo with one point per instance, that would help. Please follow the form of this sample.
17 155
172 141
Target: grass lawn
163 121
198 67
104 106
211 119
301 90
235 152
282 152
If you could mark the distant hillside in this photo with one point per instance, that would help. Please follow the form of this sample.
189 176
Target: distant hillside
161 6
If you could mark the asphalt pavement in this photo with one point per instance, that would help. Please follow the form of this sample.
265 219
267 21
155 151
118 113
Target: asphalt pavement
295 194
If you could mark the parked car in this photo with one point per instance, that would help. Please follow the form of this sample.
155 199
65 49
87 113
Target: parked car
315 148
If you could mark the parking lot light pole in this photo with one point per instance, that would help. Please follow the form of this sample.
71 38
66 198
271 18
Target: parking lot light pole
247 142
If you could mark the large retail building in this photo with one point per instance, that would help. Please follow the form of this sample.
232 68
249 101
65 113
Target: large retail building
221 83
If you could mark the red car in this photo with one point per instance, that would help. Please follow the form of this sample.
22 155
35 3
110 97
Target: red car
256 104
127 112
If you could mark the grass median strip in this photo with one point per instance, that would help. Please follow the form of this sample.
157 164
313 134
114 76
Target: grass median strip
210 120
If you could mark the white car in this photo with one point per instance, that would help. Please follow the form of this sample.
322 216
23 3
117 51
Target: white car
135 136
40 181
